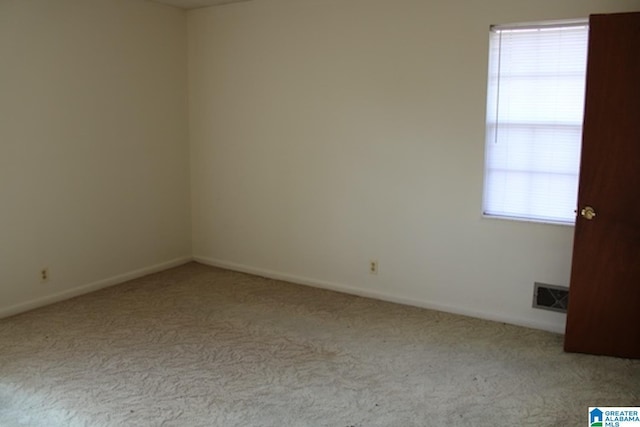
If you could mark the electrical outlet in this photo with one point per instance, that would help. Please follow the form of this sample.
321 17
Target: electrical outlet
44 275
373 266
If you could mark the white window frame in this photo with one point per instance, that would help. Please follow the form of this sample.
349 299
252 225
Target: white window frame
547 191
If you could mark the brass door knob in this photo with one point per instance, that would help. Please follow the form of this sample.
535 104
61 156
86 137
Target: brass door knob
588 213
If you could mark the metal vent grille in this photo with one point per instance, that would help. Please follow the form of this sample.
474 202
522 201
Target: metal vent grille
550 297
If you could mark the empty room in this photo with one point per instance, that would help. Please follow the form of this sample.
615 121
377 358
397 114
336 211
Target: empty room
343 213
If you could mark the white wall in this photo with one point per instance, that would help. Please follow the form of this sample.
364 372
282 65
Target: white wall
325 133
94 167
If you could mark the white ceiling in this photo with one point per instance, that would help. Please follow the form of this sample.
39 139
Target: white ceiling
193 4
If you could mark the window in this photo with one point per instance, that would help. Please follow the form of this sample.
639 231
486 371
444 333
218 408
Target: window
535 107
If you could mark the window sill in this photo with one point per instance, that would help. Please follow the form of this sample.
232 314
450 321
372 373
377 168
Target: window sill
529 220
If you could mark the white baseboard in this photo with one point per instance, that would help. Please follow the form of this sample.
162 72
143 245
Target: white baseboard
84 289
545 326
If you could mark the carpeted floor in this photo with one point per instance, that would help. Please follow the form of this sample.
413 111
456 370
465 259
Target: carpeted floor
200 346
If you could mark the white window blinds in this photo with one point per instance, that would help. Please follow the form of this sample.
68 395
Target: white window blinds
534 121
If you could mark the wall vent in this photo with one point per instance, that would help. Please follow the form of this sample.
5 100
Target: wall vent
550 297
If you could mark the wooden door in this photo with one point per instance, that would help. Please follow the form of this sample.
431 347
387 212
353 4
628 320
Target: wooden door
604 295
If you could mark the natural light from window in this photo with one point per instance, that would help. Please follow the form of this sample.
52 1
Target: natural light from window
535 104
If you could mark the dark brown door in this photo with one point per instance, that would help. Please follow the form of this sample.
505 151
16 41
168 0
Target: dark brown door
604 295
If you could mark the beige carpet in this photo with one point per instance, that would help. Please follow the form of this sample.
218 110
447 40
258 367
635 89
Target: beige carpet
199 346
